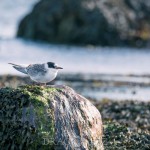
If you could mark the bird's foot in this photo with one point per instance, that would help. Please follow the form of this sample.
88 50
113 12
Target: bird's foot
42 84
56 86
39 84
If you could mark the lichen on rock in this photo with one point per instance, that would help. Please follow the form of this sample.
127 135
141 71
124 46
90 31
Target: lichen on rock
34 117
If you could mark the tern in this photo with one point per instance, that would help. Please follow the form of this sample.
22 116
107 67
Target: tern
40 73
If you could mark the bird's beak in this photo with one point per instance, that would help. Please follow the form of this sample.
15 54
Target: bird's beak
58 67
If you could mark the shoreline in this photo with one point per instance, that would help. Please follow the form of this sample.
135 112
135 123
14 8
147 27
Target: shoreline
97 87
137 79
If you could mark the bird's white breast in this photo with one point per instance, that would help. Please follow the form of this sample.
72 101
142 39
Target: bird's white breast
47 77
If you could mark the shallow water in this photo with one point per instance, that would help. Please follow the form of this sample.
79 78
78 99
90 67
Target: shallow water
119 93
114 87
74 59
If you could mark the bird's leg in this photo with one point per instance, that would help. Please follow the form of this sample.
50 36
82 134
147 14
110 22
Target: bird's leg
35 83
42 84
56 86
39 84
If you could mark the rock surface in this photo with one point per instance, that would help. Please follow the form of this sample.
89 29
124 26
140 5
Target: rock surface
36 117
107 22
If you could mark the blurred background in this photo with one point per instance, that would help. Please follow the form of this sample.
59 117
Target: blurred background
103 45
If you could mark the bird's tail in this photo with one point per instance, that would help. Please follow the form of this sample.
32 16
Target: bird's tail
19 68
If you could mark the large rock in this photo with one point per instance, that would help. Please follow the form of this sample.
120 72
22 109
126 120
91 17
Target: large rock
34 117
67 21
107 22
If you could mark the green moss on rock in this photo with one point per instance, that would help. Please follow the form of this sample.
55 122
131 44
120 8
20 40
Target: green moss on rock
26 118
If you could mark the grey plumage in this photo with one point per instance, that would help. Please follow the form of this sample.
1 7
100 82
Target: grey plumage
36 69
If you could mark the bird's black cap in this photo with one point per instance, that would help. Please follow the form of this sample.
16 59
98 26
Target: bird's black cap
53 65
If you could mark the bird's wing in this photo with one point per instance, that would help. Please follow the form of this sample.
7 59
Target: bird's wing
36 69
19 68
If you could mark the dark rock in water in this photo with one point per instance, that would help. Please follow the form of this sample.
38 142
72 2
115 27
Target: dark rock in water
34 117
99 22
67 22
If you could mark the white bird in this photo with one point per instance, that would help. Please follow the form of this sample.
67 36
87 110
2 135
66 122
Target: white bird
41 73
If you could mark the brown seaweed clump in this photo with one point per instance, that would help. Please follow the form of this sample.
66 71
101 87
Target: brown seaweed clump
134 114
126 124
119 137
